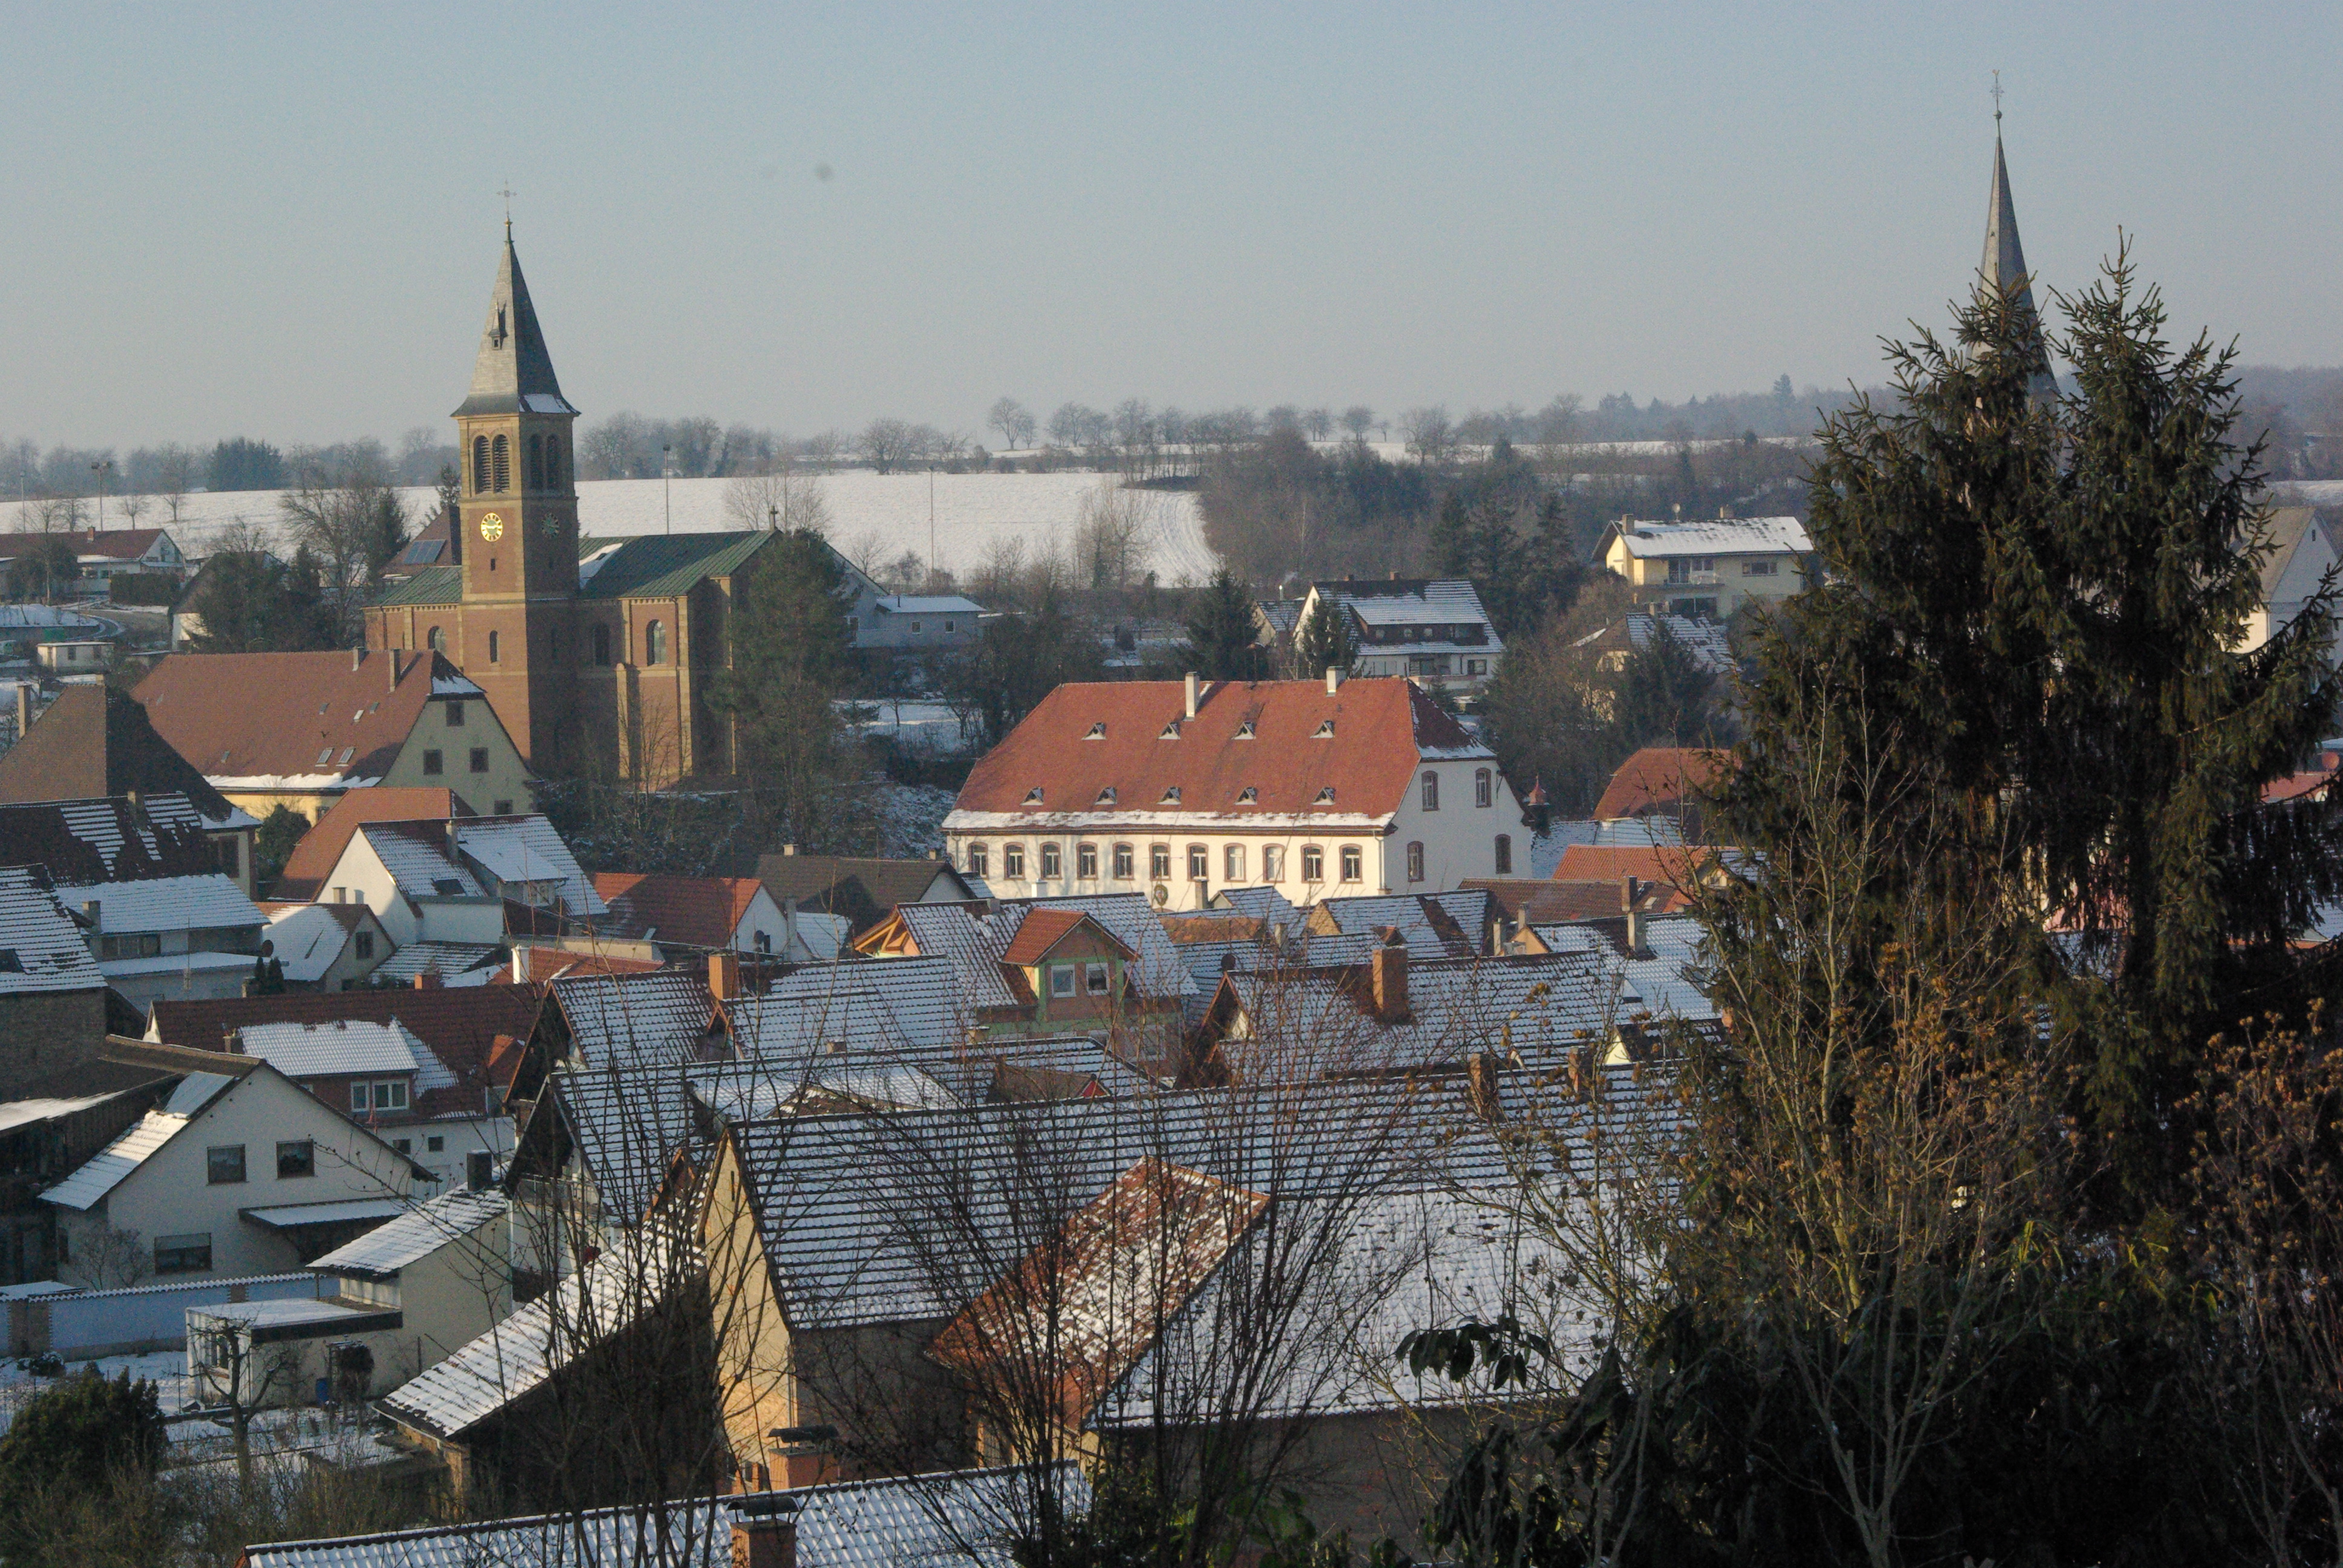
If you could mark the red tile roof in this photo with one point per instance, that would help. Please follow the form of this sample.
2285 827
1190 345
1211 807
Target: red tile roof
114 544
694 912
2295 786
293 715
1658 777
320 849
539 964
1088 737
1044 928
1676 865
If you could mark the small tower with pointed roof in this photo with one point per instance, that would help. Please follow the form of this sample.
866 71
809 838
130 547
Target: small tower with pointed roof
2004 266
514 430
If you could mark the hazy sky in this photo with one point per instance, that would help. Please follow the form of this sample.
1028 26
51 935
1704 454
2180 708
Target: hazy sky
282 220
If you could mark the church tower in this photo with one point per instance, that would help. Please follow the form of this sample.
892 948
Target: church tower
519 511
2004 266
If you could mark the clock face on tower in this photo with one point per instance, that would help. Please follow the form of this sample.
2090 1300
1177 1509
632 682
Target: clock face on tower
552 527
492 526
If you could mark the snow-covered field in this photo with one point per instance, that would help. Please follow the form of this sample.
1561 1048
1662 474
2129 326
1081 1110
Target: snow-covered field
974 513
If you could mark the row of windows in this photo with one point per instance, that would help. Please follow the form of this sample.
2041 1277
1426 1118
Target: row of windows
1234 858
1092 976
655 648
387 1094
435 762
224 1162
492 464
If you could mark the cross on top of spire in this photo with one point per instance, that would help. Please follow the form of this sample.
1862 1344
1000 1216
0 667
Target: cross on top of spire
507 191
1997 109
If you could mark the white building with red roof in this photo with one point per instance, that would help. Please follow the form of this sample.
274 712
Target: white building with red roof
1184 790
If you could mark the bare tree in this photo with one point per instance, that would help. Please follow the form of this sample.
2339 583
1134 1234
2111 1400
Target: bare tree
354 522
1430 437
175 470
111 1259
241 1375
1012 420
778 496
887 445
1318 423
1358 419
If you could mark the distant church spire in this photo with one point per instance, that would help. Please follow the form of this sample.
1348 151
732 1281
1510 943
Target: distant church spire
514 372
2004 266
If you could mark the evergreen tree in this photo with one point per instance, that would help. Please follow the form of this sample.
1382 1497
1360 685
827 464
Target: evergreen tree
76 1439
791 657
1662 696
250 602
1016 661
1221 631
1327 640
2038 605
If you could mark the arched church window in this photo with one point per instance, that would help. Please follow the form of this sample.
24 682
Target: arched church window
436 640
601 644
553 479
479 465
500 464
655 644
495 648
536 462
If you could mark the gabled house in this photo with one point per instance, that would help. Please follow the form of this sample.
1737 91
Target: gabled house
2302 551
437 881
43 1138
241 1172
1663 781
94 742
1433 632
308 870
1708 570
52 992
1184 792
324 947
302 729
184 936
102 554
686 915
1100 964
860 888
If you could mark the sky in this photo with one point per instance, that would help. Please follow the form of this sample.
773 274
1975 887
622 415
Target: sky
282 221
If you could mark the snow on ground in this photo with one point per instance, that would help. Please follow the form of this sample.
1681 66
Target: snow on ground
974 513
911 819
279 1437
168 1370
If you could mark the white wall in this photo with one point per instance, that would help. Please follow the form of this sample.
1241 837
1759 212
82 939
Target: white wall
171 1192
432 920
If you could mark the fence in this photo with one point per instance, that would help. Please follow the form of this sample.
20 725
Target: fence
84 1324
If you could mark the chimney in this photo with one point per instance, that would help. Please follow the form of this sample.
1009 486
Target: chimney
428 980
789 849
1395 576
724 975
1387 976
90 911
1497 937
1631 893
394 670
232 1042
1192 693
355 656
765 1540
1333 679
1480 1086
788 926
23 708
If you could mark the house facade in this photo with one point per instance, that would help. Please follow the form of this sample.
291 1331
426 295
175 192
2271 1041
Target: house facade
1708 570
1433 632
1182 791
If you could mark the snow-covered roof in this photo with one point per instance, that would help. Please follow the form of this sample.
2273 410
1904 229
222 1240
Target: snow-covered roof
518 850
413 854
333 1212
342 1046
308 939
929 604
209 902
1721 536
15 1113
415 1234
40 948
455 964
104 1172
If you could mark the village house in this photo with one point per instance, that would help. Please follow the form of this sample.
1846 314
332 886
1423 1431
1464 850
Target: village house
241 1172
464 883
43 1138
1433 632
53 1007
2301 553
100 556
308 870
1708 570
691 915
1181 792
324 947
302 729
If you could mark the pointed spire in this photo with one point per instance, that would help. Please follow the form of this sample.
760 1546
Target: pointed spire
2003 267
513 372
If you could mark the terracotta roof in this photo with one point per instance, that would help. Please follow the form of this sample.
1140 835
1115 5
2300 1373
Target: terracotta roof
1676 865
459 1024
1534 900
1044 928
1286 741
320 849
537 964
861 890
1658 777
114 544
96 740
1081 1309
693 912
298 721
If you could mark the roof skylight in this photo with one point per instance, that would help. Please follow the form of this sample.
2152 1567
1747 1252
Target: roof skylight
1106 796
1325 796
1325 731
1033 796
1248 795
1097 731
1171 795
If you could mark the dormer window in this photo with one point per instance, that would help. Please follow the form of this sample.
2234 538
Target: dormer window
1245 730
1248 795
1171 731
1172 795
1106 796
325 757
1325 731
1033 796
1325 796
1097 731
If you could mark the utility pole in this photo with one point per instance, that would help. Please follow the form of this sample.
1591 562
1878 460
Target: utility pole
667 483
98 471
932 524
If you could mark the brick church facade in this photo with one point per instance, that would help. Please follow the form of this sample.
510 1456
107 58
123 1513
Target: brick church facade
599 662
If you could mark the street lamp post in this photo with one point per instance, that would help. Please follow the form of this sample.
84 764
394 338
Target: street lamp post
666 484
98 471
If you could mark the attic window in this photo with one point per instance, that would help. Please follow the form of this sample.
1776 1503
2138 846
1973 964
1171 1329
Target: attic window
1171 731
1033 796
1097 731
348 752
1325 796
10 963
325 757
1172 795
1245 730
1325 731
1248 795
447 886
1106 796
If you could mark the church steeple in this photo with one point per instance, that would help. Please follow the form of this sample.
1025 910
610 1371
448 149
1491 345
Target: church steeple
514 374
2004 266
